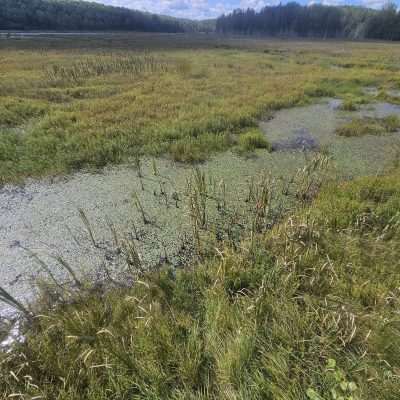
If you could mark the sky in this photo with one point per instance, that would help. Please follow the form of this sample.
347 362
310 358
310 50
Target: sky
202 9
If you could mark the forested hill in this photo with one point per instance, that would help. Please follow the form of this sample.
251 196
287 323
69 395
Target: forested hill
293 19
81 15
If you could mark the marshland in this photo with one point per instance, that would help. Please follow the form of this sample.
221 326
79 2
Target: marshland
194 216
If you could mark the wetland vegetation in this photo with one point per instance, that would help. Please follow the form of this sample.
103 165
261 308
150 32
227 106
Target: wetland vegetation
256 253
70 103
370 126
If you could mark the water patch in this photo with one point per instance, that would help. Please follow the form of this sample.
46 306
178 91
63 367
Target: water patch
12 333
306 127
379 110
394 93
370 91
313 126
335 104
41 219
302 139
26 34
374 91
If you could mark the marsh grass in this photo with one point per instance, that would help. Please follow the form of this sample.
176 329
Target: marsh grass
271 306
387 96
252 140
353 103
17 111
349 105
309 179
216 219
369 126
131 65
197 149
301 311
81 104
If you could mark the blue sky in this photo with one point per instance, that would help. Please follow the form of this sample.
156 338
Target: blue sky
199 9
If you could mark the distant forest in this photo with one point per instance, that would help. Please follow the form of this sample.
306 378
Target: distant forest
81 15
317 20
289 20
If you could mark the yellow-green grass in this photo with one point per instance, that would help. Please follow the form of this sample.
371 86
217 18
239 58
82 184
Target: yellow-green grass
211 90
308 310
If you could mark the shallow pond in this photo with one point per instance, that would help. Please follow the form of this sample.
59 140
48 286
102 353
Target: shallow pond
42 217
313 127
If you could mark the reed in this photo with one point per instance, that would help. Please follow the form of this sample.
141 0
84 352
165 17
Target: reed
87 225
48 270
262 203
140 209
132 65
270 305
132 257
114 233
199 196
69 269
10 300
308 180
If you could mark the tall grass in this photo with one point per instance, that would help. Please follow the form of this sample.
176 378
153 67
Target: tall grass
307 310
131 65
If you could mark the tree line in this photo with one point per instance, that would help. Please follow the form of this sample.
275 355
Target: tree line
291 19
316 20
81 15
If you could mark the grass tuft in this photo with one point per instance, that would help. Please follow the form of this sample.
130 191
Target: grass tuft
252 140
369 126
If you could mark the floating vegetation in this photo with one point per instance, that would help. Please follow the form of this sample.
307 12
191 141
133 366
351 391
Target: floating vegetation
214 219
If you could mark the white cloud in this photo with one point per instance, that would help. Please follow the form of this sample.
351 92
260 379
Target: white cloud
377 4
255 4
374 3
180 8
328 2
201 9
